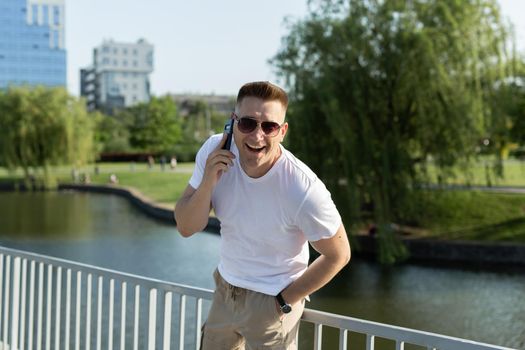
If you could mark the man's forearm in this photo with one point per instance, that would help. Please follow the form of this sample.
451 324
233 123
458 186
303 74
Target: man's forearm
192 211
335 254
318 274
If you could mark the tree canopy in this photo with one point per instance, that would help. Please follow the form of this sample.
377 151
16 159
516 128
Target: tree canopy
40 127
378 88
154 126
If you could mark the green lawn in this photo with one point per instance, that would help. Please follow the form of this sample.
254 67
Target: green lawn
513 171
161 186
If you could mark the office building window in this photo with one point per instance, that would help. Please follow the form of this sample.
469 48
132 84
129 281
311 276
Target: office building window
56 39
56 15
34 10
45 11
125 63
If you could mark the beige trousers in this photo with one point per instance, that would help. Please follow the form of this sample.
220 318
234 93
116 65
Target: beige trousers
243 319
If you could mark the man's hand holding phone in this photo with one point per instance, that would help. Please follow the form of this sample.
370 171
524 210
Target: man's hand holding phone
220 159
228 130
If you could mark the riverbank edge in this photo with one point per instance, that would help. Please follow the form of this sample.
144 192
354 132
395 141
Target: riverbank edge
421 249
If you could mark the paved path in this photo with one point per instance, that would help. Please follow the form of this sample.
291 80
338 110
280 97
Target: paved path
499 189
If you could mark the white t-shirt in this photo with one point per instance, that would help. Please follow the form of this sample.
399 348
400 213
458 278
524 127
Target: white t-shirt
266 222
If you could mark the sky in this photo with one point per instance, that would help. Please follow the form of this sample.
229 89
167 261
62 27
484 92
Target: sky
200 46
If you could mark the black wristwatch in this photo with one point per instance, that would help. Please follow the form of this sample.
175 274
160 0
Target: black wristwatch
285 307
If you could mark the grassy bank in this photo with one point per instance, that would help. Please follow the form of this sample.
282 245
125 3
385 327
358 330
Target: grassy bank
470 215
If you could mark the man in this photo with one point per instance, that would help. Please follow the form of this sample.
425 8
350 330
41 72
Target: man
270 205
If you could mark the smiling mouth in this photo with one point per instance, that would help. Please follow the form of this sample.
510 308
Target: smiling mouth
255 149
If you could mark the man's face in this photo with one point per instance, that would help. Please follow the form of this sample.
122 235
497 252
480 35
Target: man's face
257 150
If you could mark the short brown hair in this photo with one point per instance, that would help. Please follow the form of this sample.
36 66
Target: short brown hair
264 90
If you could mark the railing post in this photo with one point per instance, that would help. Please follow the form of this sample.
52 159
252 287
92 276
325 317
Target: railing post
343 339
318 336
6 299
152 325
23 305
77 314
40 305
182 320
167 320
100 285
30 330
68 308
370 342
48 306
58 309
136 318
198 321
88 311
1 285
111 309
123 316
16 304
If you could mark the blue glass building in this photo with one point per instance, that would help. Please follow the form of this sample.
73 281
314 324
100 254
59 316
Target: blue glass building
32 50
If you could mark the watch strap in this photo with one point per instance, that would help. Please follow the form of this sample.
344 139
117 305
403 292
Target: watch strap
280 299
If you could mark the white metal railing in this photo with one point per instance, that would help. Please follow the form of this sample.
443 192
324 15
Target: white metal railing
57 304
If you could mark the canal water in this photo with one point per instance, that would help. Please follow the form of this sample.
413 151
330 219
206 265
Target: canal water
483 304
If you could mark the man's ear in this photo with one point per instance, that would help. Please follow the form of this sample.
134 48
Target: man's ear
283 130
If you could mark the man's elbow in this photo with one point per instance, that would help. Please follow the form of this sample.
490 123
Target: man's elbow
344 257
347 256
184 230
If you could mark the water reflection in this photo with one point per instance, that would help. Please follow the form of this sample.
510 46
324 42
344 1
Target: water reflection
107 231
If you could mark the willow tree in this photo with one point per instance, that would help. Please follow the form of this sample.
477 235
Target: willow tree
380 87
41 127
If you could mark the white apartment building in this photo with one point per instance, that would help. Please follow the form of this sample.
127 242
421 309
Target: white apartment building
119 76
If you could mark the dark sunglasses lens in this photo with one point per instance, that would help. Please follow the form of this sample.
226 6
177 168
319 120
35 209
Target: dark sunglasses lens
269 127
247 125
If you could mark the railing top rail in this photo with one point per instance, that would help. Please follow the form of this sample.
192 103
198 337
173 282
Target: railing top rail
427 339
118 275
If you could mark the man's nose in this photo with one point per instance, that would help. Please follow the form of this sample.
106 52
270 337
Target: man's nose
258 132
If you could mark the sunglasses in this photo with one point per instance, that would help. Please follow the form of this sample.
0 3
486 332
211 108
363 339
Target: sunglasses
247 125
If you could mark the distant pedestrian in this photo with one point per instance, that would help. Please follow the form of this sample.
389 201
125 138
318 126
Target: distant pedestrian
162 163
113 179
173 163
151 162
74 175
86 179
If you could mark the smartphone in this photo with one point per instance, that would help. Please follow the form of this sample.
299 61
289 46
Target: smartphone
229 130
